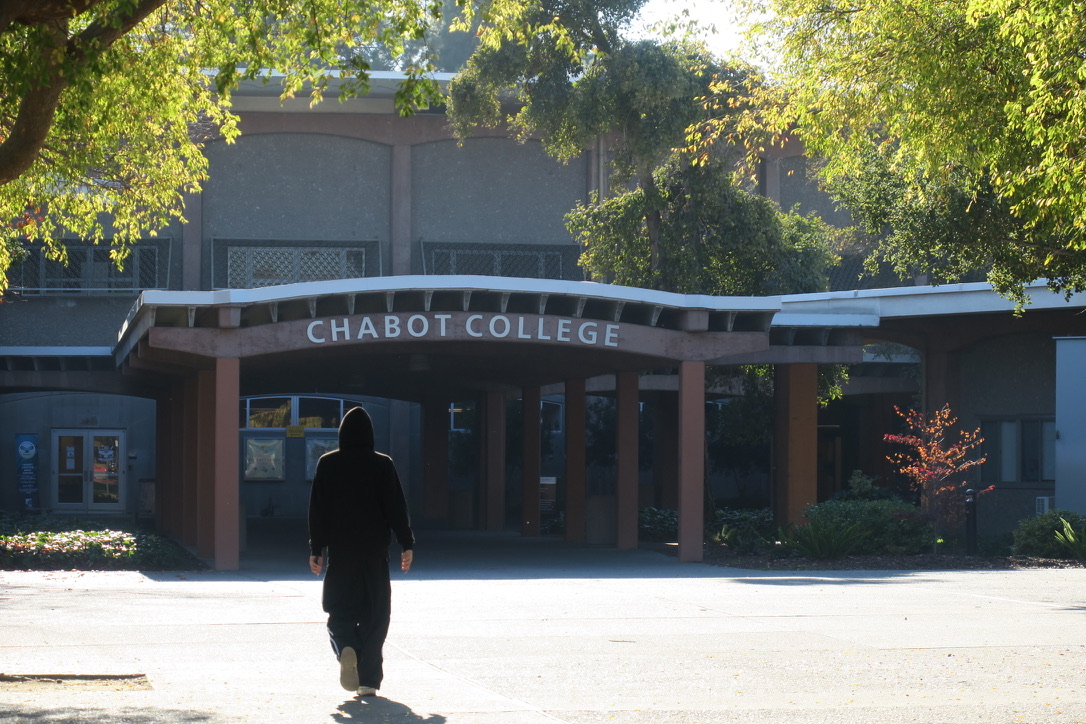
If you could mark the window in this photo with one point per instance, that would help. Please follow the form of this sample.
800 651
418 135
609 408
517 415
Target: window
268 412
533 261
251 267
460 417
91 271
551 417
319 412
248 264
1019 451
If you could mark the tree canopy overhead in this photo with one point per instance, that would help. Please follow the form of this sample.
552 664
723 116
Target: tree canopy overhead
716 238
104 104
963 100
564 72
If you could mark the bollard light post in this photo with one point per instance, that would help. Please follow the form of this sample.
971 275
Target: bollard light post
971 522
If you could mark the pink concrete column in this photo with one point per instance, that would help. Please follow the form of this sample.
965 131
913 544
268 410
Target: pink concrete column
531 464
167 484
206 443
665 441
576 492
188 454
795 391
493 435
627 414
691 460
223 418
400 428
435 461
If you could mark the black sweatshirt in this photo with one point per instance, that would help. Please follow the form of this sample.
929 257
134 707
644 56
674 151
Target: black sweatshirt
357 500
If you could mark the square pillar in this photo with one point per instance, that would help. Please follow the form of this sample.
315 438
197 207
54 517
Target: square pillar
227 498
192 236
435 461
627 414
665 443
206 443
531 465
576 460
493 461
691 463
400 429
400 211
167 502
795 480
187 461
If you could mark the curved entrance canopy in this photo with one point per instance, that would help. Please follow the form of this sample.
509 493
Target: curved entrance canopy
413 338
436 340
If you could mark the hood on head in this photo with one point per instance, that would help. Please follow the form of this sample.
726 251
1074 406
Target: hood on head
356 429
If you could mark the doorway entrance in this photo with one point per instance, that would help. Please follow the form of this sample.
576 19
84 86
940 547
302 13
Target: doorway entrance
89 470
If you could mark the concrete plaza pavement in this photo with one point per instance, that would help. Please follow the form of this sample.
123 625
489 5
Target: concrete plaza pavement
499 629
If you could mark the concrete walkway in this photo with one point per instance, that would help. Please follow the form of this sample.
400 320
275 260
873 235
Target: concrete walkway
497 629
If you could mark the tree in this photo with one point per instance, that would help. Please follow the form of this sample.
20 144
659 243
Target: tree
948 232
978 102
714 238
105 103
934 464
570 78
447 44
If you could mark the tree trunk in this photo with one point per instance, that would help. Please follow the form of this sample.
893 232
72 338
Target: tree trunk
654 223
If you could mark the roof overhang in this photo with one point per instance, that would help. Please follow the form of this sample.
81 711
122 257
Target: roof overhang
925 301
414 336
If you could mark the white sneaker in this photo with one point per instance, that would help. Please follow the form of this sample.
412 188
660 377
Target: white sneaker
348 669
367 691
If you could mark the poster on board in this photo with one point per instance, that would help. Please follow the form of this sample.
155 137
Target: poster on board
26 456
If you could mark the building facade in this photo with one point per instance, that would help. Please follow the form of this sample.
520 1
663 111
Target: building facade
345 255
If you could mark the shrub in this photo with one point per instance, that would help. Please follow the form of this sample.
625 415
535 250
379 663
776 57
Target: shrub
1036 535
62 543
744 531
658 524
1074 541
892 527
824 541
862 487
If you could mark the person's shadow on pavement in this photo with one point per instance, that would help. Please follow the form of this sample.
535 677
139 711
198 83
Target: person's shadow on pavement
378 710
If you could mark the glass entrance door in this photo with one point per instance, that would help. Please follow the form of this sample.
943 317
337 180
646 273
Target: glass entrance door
89 469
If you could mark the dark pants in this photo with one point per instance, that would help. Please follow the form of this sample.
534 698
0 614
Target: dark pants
357 598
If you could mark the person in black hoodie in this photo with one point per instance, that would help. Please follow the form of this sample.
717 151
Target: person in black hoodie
356 504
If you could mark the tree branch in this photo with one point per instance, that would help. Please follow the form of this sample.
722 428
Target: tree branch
41 12
38 106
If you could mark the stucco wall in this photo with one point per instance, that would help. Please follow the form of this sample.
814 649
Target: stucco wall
1028 359
492 190
41 413
81 321
985 369
297 186
800 190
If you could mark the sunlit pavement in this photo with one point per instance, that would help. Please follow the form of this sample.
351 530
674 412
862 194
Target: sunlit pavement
498 629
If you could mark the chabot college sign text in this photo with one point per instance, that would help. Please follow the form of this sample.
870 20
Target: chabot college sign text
464 326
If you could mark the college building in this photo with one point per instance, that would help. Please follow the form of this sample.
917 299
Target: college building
345 255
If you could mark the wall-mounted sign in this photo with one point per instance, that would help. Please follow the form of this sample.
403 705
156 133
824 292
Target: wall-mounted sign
432 325
26 460
264 458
